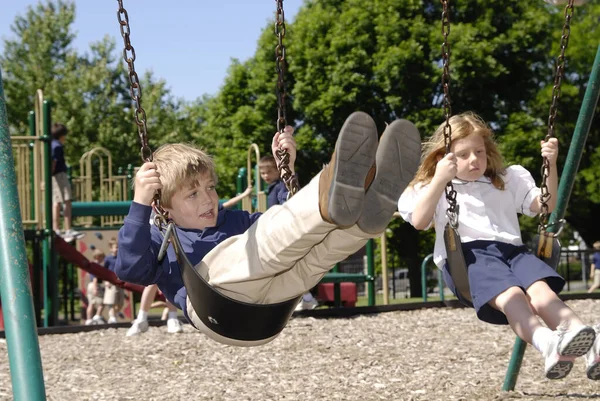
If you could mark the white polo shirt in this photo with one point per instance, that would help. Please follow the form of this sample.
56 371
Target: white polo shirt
485 212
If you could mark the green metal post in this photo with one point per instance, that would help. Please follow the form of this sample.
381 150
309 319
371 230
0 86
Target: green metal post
371 272
567 179
24 357
426 260
48 260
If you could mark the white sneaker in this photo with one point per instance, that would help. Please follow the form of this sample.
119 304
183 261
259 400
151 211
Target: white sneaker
112 320
73 235
174 326
592 358
97 319
306 305
565 346
137 328
89 322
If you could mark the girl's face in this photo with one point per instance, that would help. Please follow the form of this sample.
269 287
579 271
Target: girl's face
471 157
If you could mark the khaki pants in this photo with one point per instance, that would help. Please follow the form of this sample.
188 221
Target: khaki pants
281 256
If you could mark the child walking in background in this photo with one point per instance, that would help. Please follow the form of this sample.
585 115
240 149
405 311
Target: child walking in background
508 284
114 296
95 293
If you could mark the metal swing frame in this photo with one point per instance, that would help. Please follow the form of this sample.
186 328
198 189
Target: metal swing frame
225 319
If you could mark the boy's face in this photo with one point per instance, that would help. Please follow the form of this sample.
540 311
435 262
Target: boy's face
268 173
114 249
99 259
62 139
197 206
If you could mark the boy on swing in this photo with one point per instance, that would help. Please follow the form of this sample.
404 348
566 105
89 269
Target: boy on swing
279 255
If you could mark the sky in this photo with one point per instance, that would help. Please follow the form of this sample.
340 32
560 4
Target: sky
189 43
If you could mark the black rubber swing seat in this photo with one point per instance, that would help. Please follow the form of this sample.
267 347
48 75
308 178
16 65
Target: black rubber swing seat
235 322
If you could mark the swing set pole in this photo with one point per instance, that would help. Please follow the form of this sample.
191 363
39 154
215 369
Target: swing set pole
15 289
567 180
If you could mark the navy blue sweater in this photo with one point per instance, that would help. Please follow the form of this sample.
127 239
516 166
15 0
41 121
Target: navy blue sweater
277 193
139 244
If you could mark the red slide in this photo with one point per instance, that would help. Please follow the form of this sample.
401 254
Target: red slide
73 256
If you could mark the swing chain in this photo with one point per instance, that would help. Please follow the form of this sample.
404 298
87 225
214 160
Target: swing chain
140 114
558 76
452 211
283 157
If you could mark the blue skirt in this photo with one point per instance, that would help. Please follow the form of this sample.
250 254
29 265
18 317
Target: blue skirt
494 267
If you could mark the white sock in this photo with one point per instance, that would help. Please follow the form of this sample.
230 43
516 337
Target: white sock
308 297
111 313
142 316
172 315
541 338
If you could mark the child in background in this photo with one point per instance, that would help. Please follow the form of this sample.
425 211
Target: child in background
114 296
95 293
61 187
508 284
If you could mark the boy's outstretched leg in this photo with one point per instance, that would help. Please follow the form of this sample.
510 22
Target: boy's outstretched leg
245 267
342 182
398 157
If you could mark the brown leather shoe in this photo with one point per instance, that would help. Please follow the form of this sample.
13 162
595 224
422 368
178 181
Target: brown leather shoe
343 181
398 157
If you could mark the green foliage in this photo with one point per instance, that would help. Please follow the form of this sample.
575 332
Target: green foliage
380 56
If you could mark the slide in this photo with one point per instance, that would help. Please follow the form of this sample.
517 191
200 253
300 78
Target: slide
73 256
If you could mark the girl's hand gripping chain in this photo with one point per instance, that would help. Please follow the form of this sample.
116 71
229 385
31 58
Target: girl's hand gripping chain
446 169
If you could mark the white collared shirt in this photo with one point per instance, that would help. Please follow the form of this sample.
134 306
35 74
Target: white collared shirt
485 212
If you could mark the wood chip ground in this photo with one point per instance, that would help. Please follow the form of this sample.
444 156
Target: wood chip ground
428 354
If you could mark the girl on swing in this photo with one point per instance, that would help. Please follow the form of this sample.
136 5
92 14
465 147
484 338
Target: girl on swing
279 255
508 284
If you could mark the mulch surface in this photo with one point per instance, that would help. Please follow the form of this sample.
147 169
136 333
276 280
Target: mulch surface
428 354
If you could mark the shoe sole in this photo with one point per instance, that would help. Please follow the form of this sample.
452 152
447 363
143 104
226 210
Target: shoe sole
355 154
398 157
560 370
593 371
580 344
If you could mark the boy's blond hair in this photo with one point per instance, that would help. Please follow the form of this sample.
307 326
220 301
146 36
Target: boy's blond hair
462 126
181 166
596 245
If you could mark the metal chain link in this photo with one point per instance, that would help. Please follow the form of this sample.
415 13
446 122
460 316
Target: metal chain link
136 95
452 211
290 180
558 76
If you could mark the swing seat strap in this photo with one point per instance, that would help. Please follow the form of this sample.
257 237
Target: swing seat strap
456 263
225 316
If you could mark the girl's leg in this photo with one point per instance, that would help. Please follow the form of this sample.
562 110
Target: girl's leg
547 305
514 303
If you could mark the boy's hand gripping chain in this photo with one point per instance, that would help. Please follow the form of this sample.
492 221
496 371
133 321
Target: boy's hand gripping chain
283 157
160 219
